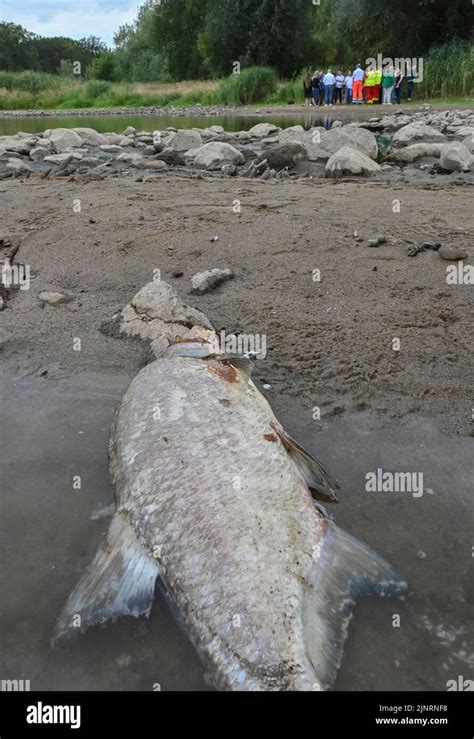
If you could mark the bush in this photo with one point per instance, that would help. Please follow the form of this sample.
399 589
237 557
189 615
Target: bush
252 85
97 88
105 67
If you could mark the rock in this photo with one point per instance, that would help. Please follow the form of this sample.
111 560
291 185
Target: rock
333 140
216 129
184 140
60 158
293 133
2 303
464 132
230 170
452 253
263 129
63 139
215 154
110 148
285 155
204 282
156 313
416 151
155 164
455 157
17 167
54 298
90 136
350 161
127 141
337 124
171 156
18 146
128 156
414 131
129 131
38 153
377 241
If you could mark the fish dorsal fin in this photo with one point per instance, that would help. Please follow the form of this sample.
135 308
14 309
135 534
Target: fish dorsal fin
120 580
345 569
319 481
242 364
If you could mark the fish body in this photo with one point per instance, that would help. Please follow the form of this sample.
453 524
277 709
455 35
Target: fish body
209 499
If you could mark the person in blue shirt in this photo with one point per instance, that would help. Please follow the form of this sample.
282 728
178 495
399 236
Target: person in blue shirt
329 83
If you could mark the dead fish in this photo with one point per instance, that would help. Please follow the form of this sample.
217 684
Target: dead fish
213 497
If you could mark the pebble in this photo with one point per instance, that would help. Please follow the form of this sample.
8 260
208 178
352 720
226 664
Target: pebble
452 253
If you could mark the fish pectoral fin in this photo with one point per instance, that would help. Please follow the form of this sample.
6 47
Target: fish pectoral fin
322 486
243 364
345 570
120 580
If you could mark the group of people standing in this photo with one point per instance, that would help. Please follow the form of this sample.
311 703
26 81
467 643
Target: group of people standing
356 87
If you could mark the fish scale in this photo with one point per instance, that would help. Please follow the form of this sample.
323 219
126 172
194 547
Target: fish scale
213 497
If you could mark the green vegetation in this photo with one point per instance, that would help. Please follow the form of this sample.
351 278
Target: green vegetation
274 41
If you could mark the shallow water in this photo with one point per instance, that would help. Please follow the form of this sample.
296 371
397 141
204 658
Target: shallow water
118 123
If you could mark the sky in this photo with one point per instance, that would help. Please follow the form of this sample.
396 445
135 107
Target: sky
73 18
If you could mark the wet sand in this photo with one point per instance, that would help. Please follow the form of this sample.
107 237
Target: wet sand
329 344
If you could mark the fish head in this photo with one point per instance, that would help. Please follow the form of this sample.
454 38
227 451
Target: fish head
197 342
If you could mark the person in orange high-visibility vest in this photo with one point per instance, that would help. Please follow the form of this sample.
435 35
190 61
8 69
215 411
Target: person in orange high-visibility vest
358 80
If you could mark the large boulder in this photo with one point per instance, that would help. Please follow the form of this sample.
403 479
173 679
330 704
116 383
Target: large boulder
322 144
64 139
17 145
261 130
156 313
214 155
284 155
38 153
18 167
455 157
293 133
91 137
415 151
415 132
184 140
350 161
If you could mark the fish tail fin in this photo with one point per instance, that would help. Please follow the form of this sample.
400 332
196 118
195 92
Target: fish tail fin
345 570
120 580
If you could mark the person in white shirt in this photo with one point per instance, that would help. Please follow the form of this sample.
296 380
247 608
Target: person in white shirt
329 81
358 81
339 85
348 85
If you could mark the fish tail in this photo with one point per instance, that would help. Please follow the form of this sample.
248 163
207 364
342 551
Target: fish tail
345 569
120 580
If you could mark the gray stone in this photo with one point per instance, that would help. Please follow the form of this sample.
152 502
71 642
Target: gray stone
184 140
63 139
452 253
415 151
214 155
455 157
350 161
285 155
54 298
38 153
90 136
263 129
18 167
129 131
333 140
416 131
204 282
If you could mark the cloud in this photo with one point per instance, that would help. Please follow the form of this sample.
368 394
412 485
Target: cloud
73 18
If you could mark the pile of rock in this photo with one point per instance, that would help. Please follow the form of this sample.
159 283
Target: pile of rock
442 141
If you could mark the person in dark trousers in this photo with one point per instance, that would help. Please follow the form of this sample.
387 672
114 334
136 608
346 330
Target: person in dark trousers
308 90
316 81
397 90
410 83
339 85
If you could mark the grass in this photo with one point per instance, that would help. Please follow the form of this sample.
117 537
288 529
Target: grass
448 79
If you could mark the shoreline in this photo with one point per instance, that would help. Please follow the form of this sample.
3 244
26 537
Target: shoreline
241 111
